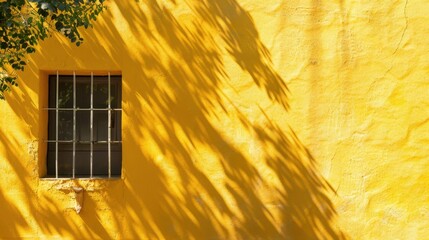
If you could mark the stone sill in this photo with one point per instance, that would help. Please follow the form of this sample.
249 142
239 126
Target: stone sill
87 184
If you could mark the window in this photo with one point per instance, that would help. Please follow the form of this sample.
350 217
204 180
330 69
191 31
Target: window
84 126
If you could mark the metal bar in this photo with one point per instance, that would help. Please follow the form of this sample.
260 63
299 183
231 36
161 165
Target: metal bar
56 126
83 109
74 124
107 142
71 141
109 125
91 157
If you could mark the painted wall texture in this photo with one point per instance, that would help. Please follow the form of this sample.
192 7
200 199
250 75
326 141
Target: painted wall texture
242 119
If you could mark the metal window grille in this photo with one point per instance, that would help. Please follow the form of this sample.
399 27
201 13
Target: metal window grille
84 126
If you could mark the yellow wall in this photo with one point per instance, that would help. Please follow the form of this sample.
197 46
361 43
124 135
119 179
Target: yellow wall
242 119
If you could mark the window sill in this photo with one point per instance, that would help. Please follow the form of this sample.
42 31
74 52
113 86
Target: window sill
88 184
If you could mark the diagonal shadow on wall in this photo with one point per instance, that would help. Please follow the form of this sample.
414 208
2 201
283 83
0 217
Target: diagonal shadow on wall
173 112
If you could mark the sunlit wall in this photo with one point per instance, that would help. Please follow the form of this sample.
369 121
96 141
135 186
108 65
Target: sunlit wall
242 119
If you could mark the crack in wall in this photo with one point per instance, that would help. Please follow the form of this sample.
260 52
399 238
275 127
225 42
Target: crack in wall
405 28
400 40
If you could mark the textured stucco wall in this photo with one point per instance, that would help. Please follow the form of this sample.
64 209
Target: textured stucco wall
242 119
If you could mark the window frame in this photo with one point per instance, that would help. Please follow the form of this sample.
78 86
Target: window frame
93 148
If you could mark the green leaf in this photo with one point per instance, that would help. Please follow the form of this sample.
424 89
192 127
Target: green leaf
17 38
62 6
59 25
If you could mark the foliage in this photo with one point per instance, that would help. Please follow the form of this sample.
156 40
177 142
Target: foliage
23 23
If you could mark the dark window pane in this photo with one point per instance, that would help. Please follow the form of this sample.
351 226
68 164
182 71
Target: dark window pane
100 93
65 92
100 125
101 159
116 158
52 91
116 125
83 91
101 99
83 129
51 159
65 159
83 160
65 125
115 91
51 125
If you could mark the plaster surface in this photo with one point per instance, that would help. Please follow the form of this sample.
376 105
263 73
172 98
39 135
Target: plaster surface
242 119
